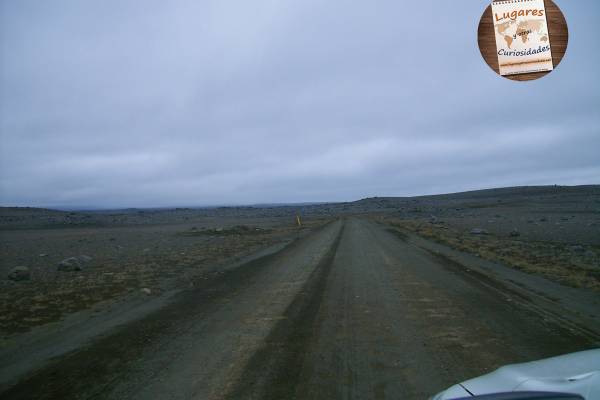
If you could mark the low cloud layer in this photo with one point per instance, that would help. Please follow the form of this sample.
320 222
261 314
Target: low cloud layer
119 104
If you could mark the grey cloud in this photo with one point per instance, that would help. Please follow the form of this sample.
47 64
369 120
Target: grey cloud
190 103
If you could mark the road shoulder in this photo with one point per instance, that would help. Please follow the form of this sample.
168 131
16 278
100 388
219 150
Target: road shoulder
578 308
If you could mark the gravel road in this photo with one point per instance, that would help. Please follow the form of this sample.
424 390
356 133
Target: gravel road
351 311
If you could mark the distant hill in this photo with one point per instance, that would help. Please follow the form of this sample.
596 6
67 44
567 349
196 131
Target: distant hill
505 193
579 196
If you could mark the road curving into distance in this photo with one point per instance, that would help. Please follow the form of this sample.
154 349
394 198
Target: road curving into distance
351 311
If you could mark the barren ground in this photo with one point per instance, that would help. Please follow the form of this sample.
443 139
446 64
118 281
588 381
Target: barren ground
381 298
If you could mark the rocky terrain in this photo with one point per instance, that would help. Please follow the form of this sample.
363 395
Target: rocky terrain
123 303
57 262
549 231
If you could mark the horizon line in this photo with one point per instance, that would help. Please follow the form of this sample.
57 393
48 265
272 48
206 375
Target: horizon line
277 204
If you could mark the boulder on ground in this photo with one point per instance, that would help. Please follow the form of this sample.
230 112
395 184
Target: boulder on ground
478 231
74 263
577 248
20 273
70 264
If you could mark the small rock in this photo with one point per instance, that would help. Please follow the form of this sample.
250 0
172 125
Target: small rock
70 264
147 249
43 255
514 233
478 231
543 219
19 273
577 248
146 291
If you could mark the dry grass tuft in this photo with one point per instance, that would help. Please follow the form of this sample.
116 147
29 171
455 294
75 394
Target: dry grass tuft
558 262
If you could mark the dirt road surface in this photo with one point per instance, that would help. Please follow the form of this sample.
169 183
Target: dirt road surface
350 312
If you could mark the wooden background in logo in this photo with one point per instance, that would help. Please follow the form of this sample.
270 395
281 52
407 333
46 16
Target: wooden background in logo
557 29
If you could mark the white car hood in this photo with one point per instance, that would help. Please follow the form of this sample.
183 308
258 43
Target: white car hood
577 373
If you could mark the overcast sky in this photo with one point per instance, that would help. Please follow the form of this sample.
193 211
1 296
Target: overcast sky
180 103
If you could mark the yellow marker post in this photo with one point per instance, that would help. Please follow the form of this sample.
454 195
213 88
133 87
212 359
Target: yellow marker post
298 220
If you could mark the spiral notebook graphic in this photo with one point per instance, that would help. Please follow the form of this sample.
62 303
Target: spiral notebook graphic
522 37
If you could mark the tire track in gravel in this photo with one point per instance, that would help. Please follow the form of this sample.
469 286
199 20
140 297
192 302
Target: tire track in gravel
274 371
